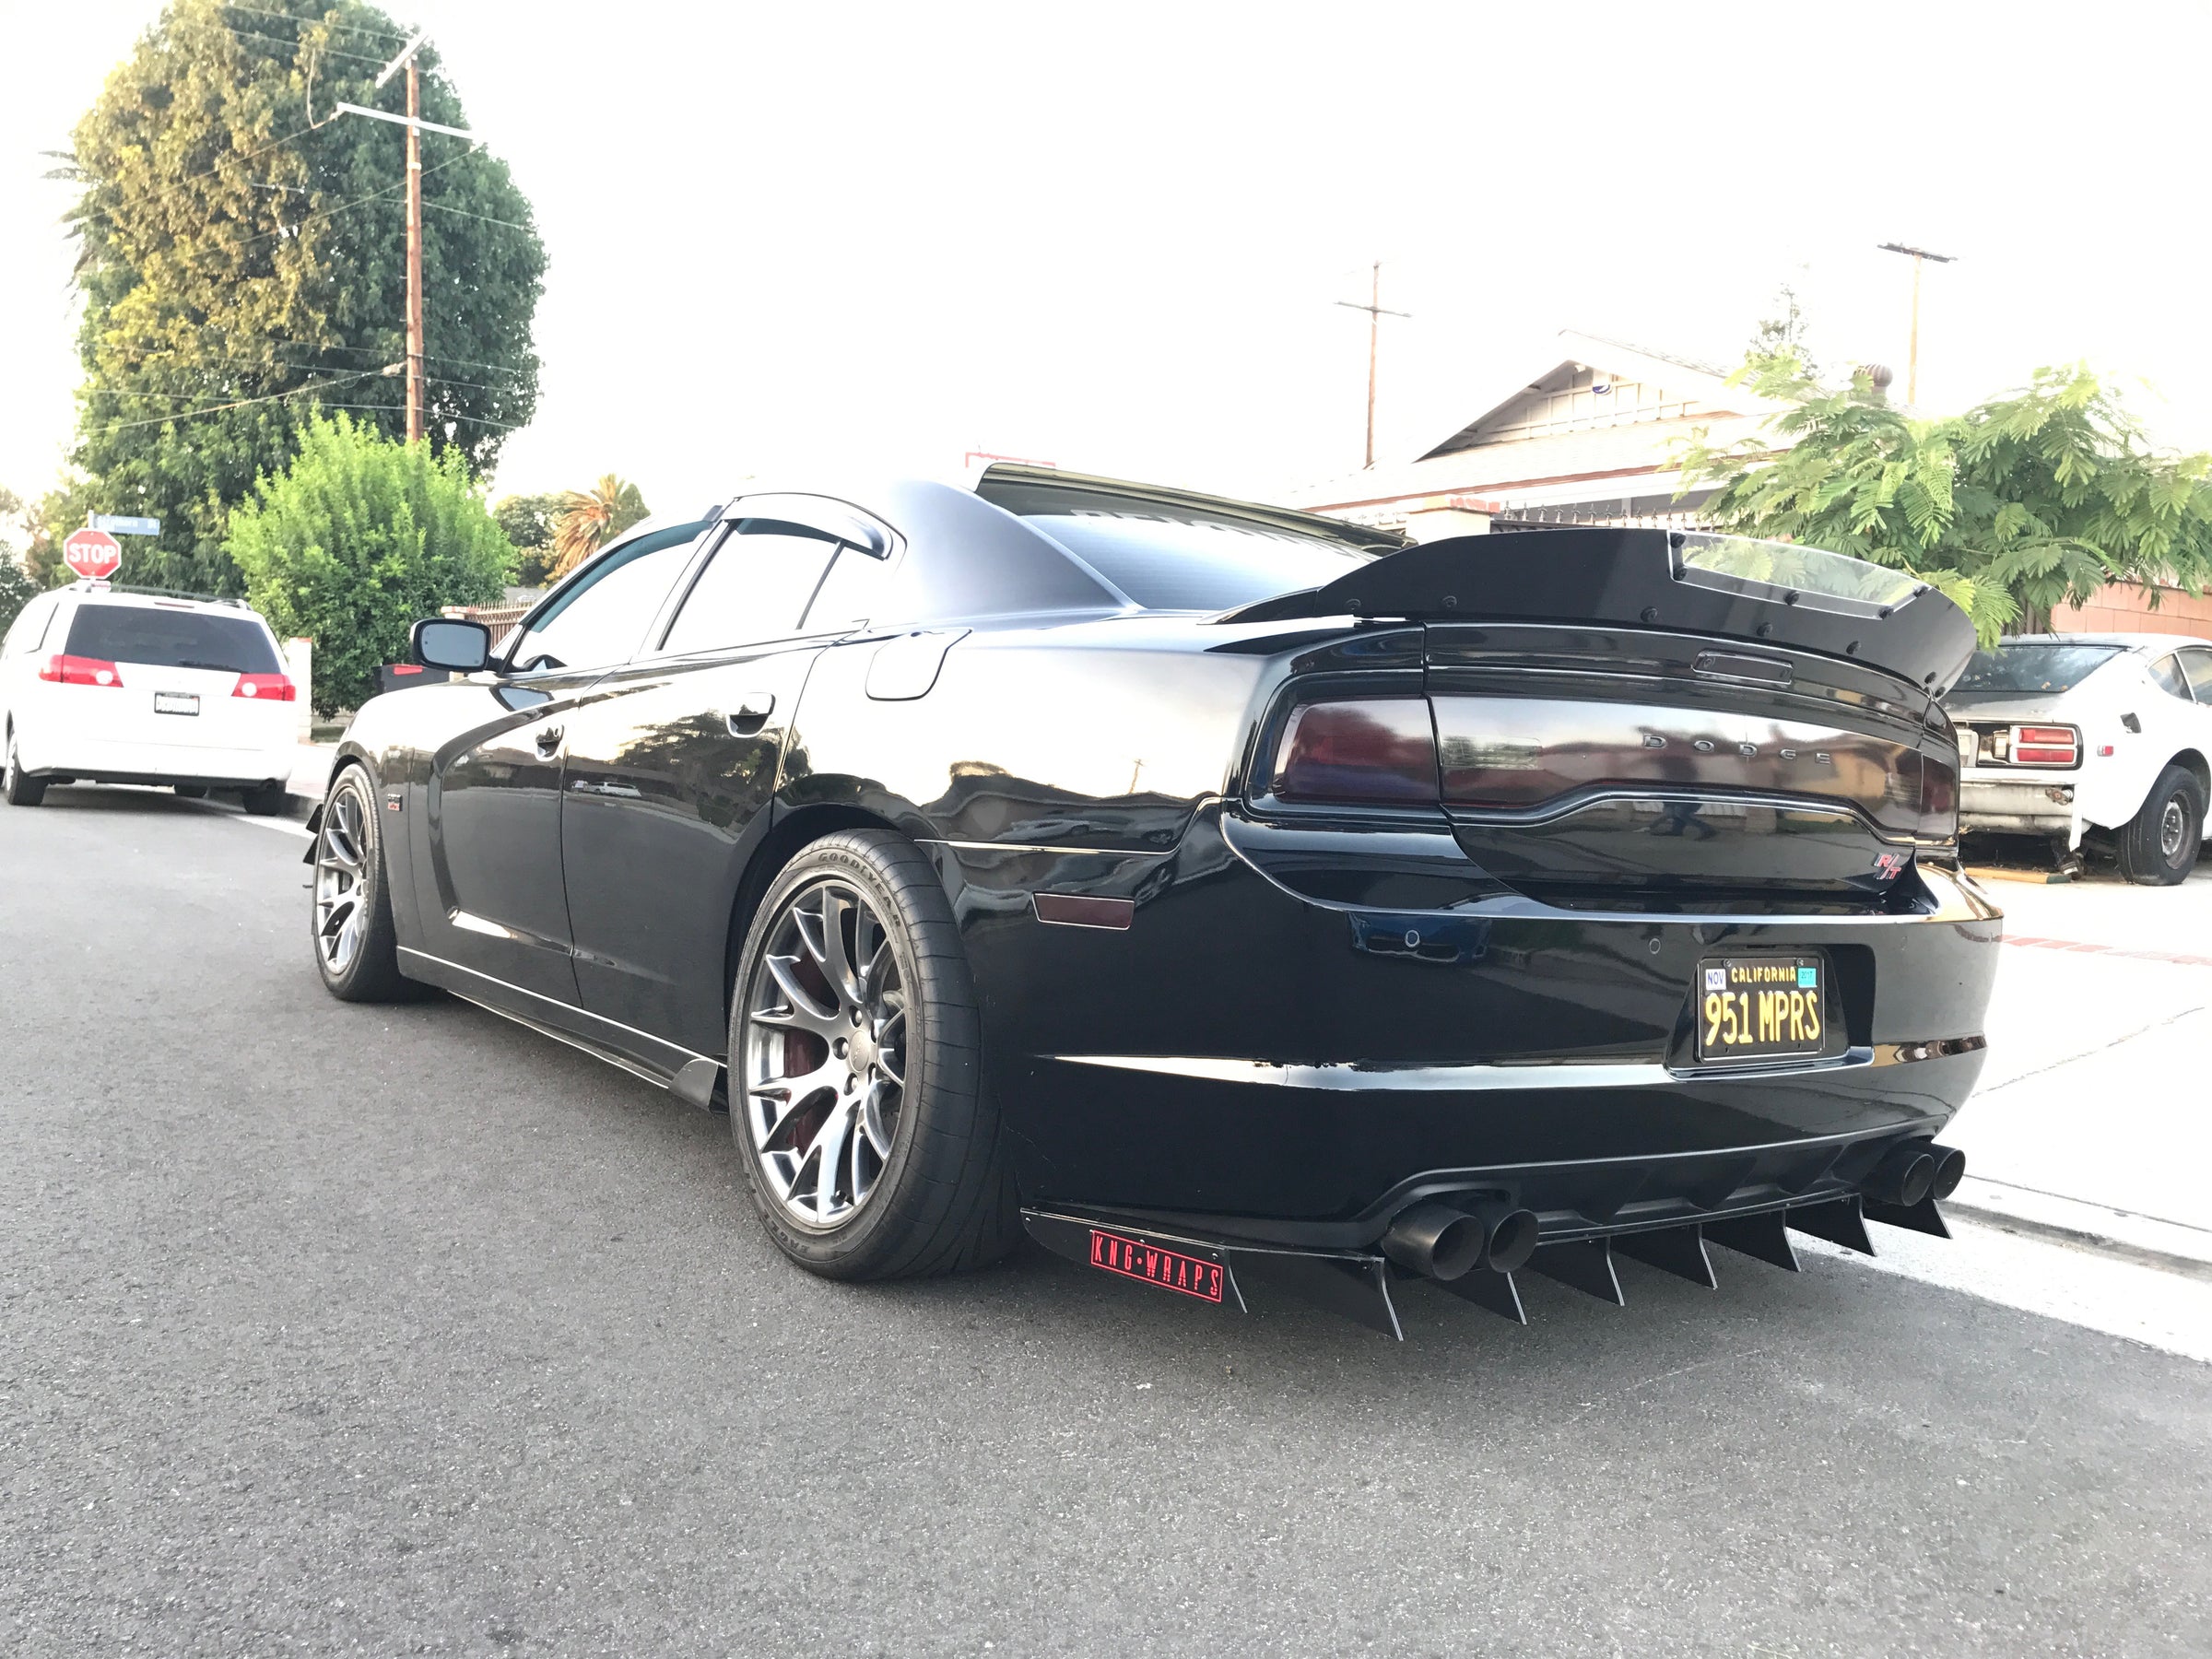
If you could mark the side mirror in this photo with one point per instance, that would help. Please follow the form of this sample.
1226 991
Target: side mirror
452 644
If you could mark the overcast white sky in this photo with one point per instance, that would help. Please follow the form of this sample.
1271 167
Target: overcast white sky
1109 235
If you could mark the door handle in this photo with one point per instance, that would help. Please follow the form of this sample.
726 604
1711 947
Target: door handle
548 739
751 713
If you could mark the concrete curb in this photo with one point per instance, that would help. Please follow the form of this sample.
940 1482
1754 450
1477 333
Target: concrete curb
2147 1241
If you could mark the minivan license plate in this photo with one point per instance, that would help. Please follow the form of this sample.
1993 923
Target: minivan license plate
176 703
1759 1007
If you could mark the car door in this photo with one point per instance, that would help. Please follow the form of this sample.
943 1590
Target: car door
2196 668
673 762
488 831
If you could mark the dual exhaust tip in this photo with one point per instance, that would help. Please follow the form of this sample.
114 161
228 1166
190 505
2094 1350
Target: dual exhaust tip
1914 1171
1449 1241
1442 1240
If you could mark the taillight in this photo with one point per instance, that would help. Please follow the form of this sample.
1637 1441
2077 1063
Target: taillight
1939 798
1377 749
67 670
2045 745
271 687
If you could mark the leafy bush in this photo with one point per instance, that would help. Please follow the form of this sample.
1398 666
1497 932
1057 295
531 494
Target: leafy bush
355 540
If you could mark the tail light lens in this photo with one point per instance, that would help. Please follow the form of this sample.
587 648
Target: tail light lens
271 687
64 669
1374 750
2045 745
1939 798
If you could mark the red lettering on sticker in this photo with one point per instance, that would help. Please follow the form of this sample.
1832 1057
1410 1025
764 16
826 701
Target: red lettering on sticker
1170 1270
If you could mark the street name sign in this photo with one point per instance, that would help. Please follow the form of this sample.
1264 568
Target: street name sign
116 524
91 553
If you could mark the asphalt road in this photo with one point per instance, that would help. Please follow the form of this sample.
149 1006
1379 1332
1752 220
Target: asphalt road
336 1329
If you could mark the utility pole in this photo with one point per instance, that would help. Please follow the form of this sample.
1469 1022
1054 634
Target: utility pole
1913 351
417 400
414 398
1375 313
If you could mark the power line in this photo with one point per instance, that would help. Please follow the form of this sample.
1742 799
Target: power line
196 177
342 380
263 11
480 218
254 34
373 196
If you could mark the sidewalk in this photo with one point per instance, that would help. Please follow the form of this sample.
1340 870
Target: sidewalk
2090 1120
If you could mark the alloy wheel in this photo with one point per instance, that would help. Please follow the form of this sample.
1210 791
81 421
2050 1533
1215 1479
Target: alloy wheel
341 895
825 1055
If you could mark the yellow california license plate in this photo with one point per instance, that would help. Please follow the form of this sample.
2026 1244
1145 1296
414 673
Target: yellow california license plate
1757 1007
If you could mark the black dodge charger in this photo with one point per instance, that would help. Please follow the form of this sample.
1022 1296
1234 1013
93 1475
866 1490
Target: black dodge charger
1240 900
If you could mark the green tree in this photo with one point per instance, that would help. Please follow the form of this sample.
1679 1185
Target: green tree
242 259
355 540
15 584
527 521
591 518
2027 502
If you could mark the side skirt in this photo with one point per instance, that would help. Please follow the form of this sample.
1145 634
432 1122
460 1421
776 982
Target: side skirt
691 1077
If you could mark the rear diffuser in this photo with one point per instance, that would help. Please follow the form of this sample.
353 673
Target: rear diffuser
1219 1271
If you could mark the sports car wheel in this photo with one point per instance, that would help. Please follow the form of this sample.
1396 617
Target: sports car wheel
2160 847
355 946
20 791
856 1091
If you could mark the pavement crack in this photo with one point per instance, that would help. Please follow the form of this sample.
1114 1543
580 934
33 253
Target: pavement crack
2102 1048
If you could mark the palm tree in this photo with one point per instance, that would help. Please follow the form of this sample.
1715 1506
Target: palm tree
590 518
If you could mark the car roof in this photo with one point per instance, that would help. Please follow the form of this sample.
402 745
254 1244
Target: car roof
93 593
2125 642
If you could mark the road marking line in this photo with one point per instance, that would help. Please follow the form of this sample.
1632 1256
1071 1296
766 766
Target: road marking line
2181 957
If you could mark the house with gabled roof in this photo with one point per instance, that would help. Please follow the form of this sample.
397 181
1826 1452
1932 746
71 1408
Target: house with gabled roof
1592 439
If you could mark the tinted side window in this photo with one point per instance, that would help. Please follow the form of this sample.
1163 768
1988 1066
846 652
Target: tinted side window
2166 674
172 639
852 592
756 586
2196 665
602 620
27 628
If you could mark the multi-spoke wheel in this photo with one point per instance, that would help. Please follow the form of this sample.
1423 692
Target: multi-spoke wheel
856 1092
355 946
825 1063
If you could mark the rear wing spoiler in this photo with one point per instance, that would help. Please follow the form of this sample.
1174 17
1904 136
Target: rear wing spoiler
1729 587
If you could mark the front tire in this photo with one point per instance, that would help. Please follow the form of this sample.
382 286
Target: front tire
21 788
856 1094
2159 845
357 950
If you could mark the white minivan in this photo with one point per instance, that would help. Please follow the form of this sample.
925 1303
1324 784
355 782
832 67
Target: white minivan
101 686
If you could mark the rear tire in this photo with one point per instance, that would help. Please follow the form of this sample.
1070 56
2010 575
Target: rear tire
2159 845
357 950
21 790
268 801
190 792
856 1095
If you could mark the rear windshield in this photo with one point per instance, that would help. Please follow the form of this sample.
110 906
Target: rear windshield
2024 669
1167 559
172 639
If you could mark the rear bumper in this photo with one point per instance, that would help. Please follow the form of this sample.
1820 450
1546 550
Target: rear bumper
1255 1062
2016 808
97 760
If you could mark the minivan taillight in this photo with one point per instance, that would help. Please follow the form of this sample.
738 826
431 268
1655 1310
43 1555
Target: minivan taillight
1372 750
2045 745
271 687
66 670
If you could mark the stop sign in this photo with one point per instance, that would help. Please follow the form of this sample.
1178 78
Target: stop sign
92 553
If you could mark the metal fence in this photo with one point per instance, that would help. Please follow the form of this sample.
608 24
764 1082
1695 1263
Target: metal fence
499 619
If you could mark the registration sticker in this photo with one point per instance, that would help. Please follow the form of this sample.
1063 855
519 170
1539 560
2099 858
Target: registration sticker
1169 1270
1716 979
